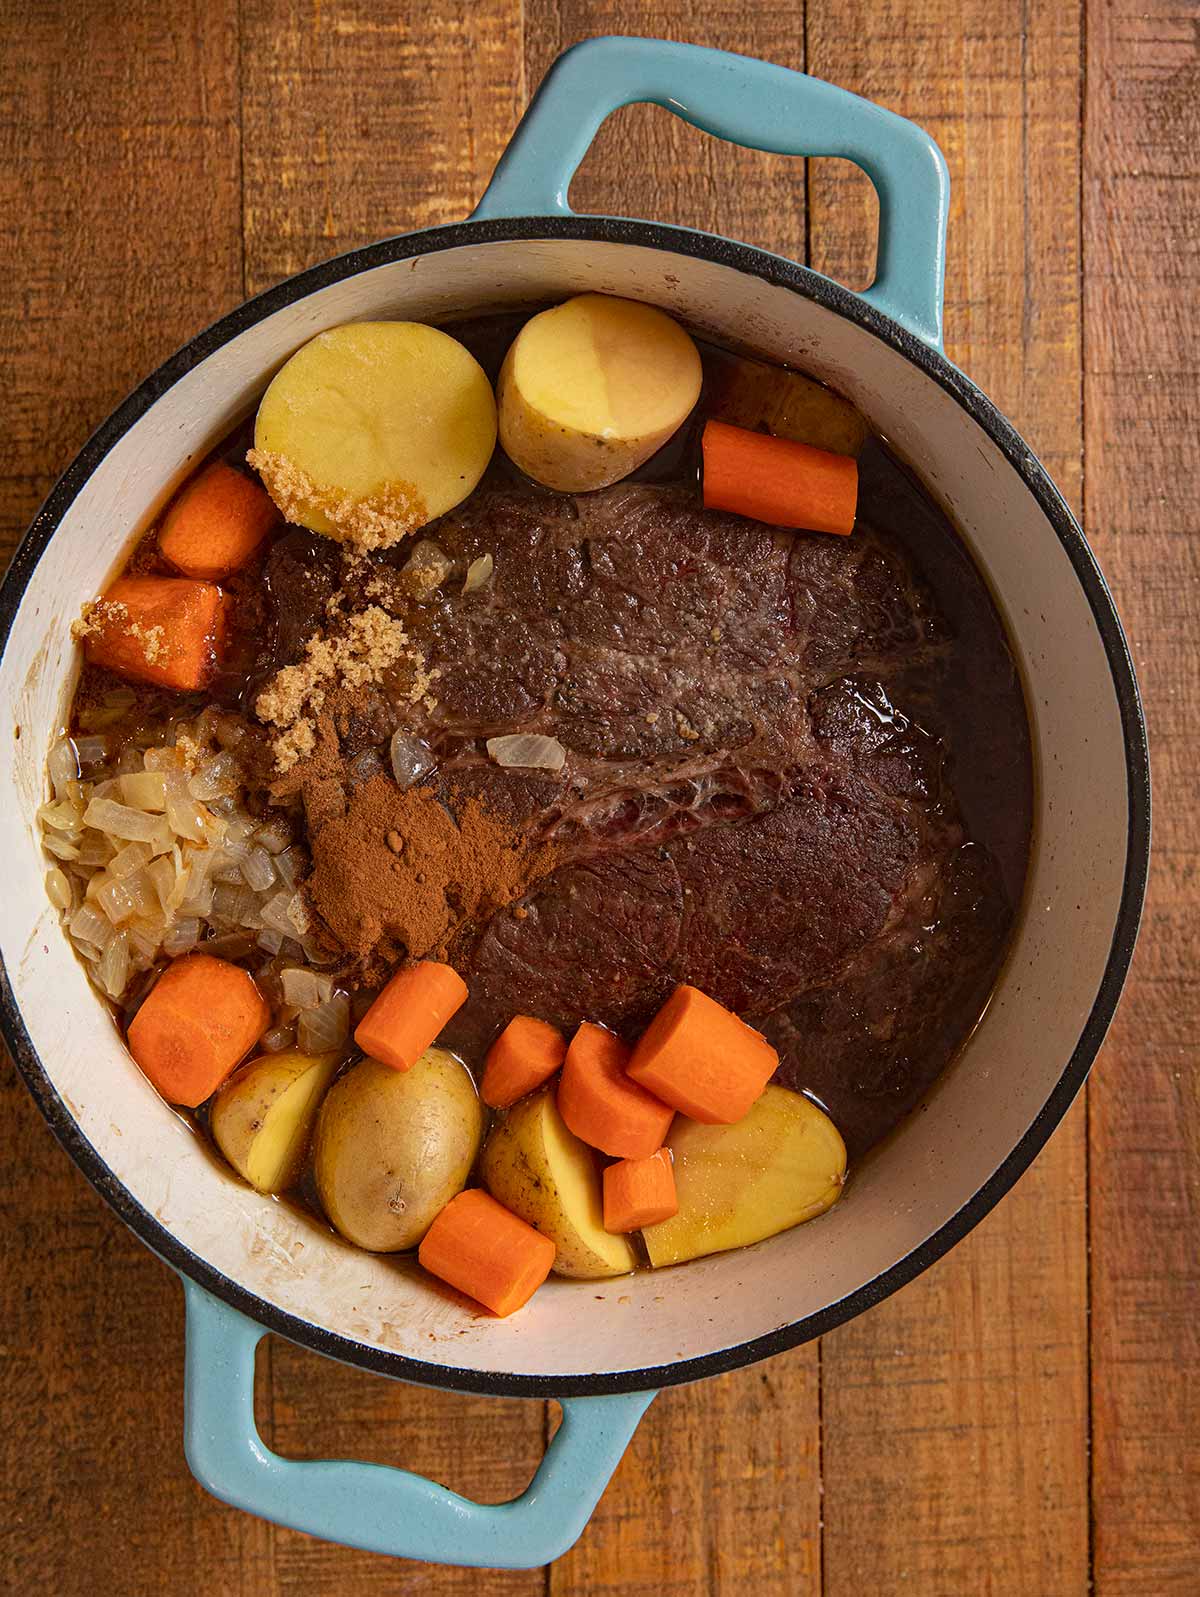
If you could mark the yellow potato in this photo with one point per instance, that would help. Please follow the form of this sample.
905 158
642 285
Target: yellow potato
537 1168
754 395
591 388
373 429
263 1116
782 1163
394 1146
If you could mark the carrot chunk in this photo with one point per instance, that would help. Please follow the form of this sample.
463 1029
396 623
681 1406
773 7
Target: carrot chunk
165 630
777 481
639 1192
525 1054
216 523
409 1013
601 1105
202 1017
703 1060
484 1250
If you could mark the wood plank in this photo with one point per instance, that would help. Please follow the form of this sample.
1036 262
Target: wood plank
360 121
955 1415
1142 402
120 226
720 1489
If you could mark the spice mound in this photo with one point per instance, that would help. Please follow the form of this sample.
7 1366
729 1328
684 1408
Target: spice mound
397 874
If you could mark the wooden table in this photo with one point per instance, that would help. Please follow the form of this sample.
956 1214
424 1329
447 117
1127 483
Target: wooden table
1025 1417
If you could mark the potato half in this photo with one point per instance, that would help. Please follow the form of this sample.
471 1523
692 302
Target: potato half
374 428
591 388
542 1172
393 1147
263 1116
782 1163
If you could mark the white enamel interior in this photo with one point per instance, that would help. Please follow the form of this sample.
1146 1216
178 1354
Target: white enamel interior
938 1159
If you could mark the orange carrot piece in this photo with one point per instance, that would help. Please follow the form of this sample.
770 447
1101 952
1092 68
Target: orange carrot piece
639 1192
484 1250
165 630
703 1060
409 1013
601 1105
216 523
778 481
201 1019
525 1054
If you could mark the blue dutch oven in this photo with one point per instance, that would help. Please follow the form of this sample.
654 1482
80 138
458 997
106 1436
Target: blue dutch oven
250 1265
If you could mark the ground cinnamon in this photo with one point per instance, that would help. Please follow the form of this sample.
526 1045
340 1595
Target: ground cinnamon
456 863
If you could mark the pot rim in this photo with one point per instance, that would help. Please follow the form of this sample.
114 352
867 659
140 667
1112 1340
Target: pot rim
779 272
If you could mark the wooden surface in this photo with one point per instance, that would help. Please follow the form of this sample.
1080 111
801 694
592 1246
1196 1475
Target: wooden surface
1024 1418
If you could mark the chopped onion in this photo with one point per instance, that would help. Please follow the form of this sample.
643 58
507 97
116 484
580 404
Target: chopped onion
129 859
96 849
62 767
426 568
269 940
118 820
297 914
288 865
479 573
411 758
216 776
56 843
169 761
88 925
182 937
274 835
58 888
129 762
325 1027
236 904
144 790
274 914
258 870
278 1038
185 816
164 878
527 751
304 988
113 899
63 816
91 750
113 970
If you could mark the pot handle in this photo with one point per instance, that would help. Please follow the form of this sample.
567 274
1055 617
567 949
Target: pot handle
373 1506
748 102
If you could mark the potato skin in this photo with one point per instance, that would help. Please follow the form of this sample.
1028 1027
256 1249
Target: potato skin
591 388
393 1147
535 1166
262 1116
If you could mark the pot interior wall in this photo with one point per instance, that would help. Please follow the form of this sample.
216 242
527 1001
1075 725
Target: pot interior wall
938 1159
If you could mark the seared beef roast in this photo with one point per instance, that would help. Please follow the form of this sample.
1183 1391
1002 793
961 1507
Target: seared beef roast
765 732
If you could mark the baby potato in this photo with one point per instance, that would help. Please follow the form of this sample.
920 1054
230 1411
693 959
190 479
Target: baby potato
263 1116
591 388
374 428
393 1147
536 1167
782 1163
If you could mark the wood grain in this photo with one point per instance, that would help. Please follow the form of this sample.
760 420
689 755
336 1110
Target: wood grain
1142 381
955 1416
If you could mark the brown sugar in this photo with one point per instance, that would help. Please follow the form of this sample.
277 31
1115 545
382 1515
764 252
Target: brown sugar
370 643
384 518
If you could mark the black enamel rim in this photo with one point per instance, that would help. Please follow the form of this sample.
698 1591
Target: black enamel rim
774 270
